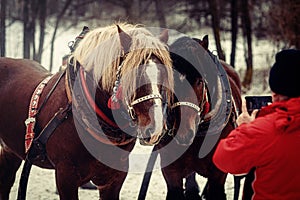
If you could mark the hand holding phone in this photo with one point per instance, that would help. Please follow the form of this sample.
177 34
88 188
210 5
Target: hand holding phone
245 117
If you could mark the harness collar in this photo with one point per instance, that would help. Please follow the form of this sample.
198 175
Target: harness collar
91 100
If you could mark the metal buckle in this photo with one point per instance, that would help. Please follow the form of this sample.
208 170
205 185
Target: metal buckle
29 120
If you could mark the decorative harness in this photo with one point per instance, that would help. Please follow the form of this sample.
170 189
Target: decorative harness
33 108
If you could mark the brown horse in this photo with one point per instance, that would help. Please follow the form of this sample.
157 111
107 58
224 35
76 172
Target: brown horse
88 139
208 101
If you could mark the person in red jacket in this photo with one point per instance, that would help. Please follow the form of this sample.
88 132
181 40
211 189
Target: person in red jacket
269 142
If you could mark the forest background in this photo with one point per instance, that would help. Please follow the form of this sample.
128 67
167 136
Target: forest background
41 23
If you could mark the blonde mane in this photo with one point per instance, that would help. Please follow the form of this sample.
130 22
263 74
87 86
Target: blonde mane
100 50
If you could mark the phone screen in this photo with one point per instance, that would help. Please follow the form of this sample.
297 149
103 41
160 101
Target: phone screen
256 102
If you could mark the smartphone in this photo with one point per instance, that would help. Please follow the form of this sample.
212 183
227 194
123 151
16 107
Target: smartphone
256 102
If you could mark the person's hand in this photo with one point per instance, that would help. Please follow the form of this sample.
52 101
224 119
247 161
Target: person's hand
244 117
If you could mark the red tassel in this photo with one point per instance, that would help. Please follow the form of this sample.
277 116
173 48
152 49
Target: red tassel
115 105
206 108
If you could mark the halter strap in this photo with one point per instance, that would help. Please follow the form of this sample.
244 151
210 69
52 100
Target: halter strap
185 103
199 109
145 98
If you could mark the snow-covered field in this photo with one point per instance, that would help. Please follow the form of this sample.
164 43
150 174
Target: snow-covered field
41 182
41 185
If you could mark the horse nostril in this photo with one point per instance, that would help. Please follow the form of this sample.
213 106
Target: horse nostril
148 132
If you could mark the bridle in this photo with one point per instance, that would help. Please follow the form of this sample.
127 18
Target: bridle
198 108
130 105
130 108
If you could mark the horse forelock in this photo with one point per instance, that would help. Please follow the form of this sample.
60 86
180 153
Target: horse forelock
100 53
187 57
138 57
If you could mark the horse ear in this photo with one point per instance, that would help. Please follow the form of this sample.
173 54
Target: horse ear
205 42
125 39
164 36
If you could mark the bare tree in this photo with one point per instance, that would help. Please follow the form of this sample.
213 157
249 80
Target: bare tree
2 27
284 22
42 20
234 30
160 12
57 22
214 6
26 29
247 33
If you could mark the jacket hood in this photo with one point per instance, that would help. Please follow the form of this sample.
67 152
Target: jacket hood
286 114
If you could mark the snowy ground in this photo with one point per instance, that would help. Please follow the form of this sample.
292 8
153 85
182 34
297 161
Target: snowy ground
41 185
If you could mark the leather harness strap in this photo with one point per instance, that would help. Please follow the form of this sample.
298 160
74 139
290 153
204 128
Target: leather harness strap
33 108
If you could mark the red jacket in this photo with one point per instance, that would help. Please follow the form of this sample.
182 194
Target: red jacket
271 143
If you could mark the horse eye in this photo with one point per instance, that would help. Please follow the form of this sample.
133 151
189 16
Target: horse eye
199 82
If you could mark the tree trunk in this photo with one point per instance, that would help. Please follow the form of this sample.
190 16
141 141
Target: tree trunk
42 19
2 27
26 30
159 5
215 16
58 18
34 7
247 32
234 30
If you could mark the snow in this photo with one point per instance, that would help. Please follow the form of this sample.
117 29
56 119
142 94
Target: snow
42 183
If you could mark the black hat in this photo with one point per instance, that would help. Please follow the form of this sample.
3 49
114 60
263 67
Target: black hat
284 76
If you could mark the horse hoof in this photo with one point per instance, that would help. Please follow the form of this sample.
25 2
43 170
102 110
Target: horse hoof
89 186
192 195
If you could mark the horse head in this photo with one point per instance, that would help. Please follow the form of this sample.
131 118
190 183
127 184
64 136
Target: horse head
191 92
134 68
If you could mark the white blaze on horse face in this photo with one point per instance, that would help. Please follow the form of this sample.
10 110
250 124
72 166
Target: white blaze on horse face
152 72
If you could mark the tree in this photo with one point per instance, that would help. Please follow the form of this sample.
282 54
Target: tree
42 20
2 27
284 26
214 6
234 30
159 5
26 29
247 33
57 22
33 11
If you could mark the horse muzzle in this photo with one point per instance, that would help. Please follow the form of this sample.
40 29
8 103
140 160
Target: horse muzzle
150 137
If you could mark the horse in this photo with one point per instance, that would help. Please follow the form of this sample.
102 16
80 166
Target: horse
196 120
83 122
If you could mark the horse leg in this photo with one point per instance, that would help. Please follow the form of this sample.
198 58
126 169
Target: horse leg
191 188
9 165
67 180
248 190
215 185
111 190
174 182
